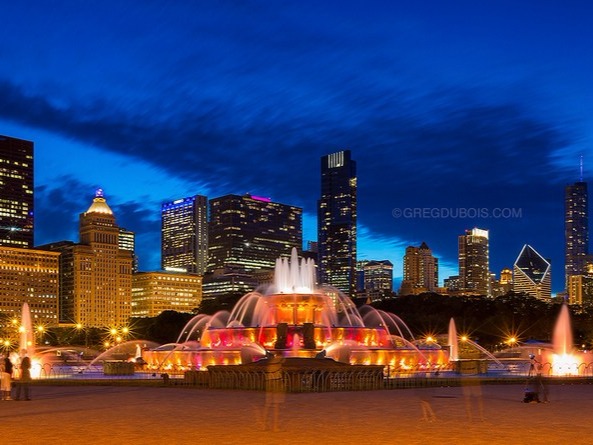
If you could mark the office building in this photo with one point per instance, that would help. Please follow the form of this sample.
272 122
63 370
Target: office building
532 274
336 224
16 192
247 233
95 274
474 266
229 282
453 285
580 287
576 229
155 292
29 276
184 234
420 271
127 241
503 285
378 275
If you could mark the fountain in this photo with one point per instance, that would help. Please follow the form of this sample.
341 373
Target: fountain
295 319
565 360
453 341
558 358
27 337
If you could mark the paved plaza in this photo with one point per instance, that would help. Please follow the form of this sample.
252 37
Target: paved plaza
177 415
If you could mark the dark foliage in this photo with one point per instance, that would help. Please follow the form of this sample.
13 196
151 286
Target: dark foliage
488 321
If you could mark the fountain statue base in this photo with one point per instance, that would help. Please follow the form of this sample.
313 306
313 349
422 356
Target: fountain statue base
117 367
471 367
298 375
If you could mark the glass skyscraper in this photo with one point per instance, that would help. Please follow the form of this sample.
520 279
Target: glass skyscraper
421 271
184 234
248 233
576 229
532 274
16 192
474 262
336 225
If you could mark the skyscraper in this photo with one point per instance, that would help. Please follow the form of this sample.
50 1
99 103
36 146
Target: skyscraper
378 275
184 234
532 274
576 229
155 292
16 192
247 233
95 274
336 222
127 241
474 272
29 276
421 271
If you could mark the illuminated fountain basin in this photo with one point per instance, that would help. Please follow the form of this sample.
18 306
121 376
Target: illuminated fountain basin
295 319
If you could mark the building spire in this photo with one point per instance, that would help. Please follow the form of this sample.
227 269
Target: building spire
581 169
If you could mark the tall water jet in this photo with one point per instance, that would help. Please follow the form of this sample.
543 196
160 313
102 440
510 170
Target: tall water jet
562 338
27 338
453 341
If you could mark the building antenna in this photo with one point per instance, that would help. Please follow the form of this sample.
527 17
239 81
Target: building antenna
581 168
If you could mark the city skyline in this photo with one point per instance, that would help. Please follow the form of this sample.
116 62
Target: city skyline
446 109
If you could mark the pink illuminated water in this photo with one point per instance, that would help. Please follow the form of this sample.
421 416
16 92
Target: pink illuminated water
562 339
453 341
27 338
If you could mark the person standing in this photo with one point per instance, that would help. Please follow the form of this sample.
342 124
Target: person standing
25 379
6 377
275 393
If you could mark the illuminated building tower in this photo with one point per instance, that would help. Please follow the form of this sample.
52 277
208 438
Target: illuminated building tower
127 241
184 234
247 233
580 287
532 274
502 286
506 277
576 229
336 222
378 275
155 292
16 192
474 262
421 271
95 274
29 276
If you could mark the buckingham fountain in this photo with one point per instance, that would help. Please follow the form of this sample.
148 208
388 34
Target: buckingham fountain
295 319
308 326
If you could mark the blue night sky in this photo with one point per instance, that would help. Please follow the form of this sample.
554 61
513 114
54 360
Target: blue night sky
445 105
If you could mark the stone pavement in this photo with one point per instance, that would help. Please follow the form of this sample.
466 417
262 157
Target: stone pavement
177 415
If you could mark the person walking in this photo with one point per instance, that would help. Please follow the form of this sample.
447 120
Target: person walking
25 378
6 377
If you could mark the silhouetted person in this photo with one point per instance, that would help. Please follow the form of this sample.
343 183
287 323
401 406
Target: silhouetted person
472 395
425 397
6 378
25 377
275 393
539 385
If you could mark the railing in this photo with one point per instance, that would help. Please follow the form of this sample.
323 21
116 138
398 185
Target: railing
319 380
294 381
